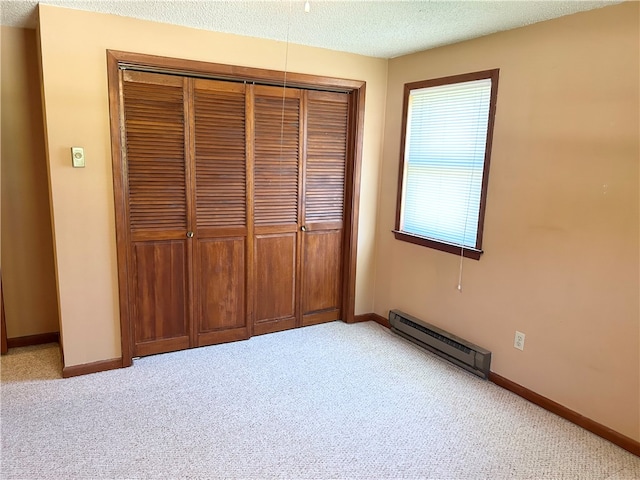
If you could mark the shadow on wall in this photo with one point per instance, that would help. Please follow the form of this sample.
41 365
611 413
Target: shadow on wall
28 273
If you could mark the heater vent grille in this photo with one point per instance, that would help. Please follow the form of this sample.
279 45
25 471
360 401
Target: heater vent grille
436 335
471 357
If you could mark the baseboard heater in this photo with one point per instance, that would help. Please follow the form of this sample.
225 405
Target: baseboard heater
465 354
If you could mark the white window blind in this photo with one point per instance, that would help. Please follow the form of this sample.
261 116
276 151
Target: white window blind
445 147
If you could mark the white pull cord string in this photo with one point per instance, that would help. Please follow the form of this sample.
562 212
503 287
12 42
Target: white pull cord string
284 83
460 273
466 219
284 95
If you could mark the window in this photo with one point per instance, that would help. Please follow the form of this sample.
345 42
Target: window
444 161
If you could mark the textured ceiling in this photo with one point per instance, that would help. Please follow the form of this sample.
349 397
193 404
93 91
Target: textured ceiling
374 28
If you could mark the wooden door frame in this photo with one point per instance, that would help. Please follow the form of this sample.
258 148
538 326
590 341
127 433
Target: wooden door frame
3 324
118 60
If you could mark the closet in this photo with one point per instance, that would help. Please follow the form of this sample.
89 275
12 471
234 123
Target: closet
231 201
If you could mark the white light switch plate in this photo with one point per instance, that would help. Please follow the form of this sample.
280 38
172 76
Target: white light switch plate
77 157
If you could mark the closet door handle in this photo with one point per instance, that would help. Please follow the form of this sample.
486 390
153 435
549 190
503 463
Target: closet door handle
190 234
303 228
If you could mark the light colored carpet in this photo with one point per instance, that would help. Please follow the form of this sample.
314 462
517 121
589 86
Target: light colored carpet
329 401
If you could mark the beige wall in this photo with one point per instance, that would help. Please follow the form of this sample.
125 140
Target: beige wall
561 228
28 277
561 234
76 105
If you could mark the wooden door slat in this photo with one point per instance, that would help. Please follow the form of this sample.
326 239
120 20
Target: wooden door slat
327 122
154 140
276 158
220 155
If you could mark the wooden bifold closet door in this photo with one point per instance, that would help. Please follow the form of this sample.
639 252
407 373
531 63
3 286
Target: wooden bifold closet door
221 205
277 150
235 206
155 116
323 206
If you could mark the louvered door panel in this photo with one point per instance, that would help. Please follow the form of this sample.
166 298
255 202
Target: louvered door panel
221 211
326 157
158 207
276 210
155 151
324 185
277 136
220 154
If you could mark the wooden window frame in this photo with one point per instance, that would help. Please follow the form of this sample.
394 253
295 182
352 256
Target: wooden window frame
473 253
118 60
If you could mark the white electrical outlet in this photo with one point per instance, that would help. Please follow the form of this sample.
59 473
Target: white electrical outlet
519 340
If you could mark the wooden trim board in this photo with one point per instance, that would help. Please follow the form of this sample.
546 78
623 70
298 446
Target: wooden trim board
28 340
94 367
592 426
3 326
372 317
365 317
622 441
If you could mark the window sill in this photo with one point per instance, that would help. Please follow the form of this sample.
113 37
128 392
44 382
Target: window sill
472 253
